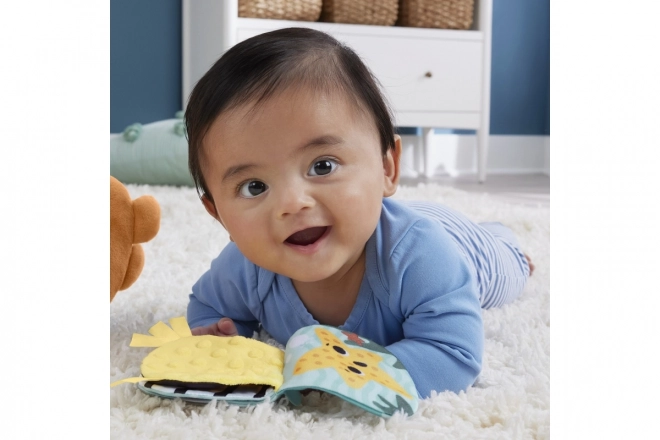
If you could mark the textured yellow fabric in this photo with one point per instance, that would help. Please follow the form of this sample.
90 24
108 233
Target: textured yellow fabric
180 326
225 360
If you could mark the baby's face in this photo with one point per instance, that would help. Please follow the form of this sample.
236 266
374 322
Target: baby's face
298 182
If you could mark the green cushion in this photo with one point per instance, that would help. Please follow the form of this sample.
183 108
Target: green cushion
154 154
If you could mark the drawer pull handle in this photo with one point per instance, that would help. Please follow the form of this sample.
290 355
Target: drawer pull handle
428 74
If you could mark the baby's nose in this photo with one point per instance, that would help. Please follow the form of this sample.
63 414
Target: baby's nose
294 199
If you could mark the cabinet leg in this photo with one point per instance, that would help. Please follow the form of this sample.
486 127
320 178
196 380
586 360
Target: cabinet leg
409 167
482 155
426 145
418 156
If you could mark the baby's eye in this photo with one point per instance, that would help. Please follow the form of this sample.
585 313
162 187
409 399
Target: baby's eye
323 167
253 188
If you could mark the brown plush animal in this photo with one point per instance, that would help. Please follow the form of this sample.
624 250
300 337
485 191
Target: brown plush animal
131 222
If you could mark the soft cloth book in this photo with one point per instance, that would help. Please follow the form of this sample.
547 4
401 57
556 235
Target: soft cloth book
245 371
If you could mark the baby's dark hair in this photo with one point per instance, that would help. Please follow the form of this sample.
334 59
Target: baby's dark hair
255 69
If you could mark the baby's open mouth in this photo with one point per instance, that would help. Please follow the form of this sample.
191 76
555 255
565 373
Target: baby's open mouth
307 236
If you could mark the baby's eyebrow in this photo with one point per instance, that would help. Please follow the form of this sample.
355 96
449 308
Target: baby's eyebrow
231 171
321 141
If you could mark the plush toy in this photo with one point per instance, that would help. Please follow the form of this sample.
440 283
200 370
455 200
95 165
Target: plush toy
131 222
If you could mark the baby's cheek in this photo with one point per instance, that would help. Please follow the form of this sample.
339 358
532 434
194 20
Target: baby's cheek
362 211
246 230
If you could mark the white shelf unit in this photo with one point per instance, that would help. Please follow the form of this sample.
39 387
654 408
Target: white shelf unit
433 78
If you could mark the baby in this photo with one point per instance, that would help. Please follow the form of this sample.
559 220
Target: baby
292 149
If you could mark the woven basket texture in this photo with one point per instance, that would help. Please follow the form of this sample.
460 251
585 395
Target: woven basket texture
442 14
299 10
376 12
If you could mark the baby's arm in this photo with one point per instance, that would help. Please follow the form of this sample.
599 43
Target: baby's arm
438 301
219 300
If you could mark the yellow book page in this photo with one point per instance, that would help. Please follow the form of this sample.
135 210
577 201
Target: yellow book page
182 357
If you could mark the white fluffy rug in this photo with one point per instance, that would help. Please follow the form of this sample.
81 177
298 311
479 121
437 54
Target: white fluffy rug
510 400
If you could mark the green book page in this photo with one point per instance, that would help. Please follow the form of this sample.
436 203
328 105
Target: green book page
349 366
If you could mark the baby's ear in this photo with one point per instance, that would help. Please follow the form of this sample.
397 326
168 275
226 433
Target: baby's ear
210 207
391 167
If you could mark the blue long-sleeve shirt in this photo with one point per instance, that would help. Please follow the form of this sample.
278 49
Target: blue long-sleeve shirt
418 298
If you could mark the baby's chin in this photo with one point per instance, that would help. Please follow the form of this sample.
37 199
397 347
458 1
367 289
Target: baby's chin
330 271
307 274
300 274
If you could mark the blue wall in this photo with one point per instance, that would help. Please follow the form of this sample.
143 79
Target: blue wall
520 70
145 60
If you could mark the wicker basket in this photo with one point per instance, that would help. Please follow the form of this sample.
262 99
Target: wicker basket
443 14
299 10
377 12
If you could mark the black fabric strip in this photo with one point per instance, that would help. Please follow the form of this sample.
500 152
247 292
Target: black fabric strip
262 391
226 391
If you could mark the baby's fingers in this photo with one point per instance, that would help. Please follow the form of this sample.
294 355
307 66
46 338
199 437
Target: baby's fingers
208 330
226 327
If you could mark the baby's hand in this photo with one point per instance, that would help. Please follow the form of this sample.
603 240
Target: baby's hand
224 327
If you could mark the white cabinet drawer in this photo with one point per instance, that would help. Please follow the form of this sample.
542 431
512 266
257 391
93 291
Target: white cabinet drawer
402 64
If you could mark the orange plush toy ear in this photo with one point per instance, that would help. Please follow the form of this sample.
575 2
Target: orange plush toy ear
131 222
